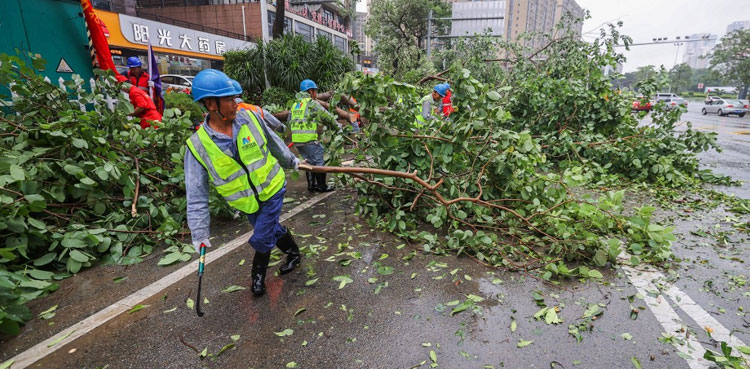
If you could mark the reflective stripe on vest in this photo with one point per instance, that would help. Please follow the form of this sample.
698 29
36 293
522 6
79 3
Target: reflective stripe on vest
302 130
242 188
251 107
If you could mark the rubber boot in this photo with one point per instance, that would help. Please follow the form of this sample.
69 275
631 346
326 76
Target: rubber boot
289 247
310 181
322 185
260 265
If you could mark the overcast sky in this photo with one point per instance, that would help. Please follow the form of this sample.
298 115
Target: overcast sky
647 19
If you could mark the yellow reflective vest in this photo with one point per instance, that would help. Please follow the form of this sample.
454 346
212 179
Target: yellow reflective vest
256 177
303 130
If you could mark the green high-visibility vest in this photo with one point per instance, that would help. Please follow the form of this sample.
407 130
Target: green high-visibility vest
420 121
303 130
257 176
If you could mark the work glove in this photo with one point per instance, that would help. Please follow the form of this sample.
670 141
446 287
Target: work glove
197 244
296 164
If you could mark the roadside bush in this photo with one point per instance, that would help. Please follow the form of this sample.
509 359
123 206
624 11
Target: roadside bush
276 96
184 102
79 188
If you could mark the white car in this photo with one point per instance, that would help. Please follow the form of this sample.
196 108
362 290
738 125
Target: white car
725 107
177 82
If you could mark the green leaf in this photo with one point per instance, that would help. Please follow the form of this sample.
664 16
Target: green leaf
311 282
343 280
593 273
235 337
203 353
493 95
513 326
78 256
170 310
170 258
119 279
524 343
626 336
45 259
7 364
285 332
232 288
226 347
88 181
40 274
551 317
61 338
17 173
433 356
48 314
81 144
299 311
291 364
190 303
636 362
137 307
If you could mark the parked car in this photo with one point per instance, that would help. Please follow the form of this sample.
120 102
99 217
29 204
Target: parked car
639 106
673 102
177 82
665 95
725 107
712 98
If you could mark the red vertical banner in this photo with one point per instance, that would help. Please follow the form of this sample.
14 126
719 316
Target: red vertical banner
98 39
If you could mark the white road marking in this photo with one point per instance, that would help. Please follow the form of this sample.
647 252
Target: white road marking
643 280
79 329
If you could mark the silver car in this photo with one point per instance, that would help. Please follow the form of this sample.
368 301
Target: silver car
673 102
724 107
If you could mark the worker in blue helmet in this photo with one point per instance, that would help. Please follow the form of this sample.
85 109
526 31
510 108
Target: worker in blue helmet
430 105
238 153
306 131
136 75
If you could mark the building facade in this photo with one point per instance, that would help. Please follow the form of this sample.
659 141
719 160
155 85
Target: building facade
739 25
254 19
697 53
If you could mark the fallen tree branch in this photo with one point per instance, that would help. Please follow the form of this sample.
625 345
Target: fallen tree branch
134 212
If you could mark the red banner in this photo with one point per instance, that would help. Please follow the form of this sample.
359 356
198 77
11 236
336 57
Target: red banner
98 39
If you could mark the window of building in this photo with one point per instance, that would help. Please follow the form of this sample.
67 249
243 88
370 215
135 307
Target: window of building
272 18
325 34
327 14
304 30
340 43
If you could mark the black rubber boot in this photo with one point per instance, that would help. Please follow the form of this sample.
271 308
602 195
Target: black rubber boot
289 247
260 265
322 185
310 181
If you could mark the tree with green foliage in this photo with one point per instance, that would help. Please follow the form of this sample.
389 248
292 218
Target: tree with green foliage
515 177
731 58
399 29
286 62
680 77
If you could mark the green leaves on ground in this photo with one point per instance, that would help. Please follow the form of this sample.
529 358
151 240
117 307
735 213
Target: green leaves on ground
343 280
524 343
232 288
285 332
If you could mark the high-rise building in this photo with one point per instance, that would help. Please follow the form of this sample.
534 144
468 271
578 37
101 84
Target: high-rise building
519 17
366 43
735 26
697 53
539 16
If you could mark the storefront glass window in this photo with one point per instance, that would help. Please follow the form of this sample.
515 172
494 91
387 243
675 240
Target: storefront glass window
304 30
272 18
340 43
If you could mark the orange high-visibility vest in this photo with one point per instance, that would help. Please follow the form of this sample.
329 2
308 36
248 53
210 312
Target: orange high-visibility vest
250 107
351 109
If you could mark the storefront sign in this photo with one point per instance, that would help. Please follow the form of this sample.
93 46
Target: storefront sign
141 31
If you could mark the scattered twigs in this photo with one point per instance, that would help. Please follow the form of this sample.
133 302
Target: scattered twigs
133 211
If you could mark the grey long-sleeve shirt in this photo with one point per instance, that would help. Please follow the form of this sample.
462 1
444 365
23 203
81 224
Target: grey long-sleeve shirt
197 180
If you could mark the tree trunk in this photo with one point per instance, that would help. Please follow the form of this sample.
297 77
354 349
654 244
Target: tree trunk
278 23
743 92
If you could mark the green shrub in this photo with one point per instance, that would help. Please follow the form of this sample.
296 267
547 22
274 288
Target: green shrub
185 103
276 96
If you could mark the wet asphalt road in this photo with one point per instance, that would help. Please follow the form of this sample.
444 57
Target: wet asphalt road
397 308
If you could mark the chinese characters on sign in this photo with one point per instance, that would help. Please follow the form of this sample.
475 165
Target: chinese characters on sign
141 31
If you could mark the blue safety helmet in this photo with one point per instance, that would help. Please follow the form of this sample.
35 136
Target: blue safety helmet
213 83
236 85
442 89
133 62
307 84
